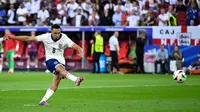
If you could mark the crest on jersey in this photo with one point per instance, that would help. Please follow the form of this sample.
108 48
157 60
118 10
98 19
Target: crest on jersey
60 46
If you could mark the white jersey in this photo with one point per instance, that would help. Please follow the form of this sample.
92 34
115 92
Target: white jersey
55 49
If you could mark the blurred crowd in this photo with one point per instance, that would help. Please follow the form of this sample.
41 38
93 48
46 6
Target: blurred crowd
100 12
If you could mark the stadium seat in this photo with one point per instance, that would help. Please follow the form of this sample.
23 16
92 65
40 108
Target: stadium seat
21 53
123 50
182 18
195 72
69 53
107 50
41 51
90 58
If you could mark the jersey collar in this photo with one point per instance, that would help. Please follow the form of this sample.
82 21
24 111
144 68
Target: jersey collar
56 39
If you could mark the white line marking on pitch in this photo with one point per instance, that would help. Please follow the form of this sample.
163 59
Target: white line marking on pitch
30 105
99 87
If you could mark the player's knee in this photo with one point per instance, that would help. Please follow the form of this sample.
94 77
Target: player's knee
60 68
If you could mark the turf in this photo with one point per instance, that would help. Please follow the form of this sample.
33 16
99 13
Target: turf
21 92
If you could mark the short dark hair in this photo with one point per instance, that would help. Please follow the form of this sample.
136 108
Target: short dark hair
55 26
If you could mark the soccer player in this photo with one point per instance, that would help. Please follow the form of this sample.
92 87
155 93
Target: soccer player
54 43
10 47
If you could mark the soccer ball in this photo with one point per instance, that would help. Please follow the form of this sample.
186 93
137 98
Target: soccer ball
179 76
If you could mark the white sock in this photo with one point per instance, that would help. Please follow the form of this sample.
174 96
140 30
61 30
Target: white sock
27 66
48 94
71 77
1 67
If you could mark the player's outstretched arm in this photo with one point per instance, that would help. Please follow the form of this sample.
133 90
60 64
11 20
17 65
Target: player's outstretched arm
79 49
21 38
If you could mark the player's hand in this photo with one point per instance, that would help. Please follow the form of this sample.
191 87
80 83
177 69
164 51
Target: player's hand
80 52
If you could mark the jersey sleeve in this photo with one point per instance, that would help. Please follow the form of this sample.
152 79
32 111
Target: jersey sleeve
69 42
41 38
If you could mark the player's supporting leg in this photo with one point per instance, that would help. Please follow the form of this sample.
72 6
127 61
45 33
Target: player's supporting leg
61 70
50 91
12 63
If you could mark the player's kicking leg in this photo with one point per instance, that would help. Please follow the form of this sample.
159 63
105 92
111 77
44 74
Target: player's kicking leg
61 70
51 90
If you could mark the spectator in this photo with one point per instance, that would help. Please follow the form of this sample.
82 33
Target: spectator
70 9
10 47
3 4
177 56
192 13
124 17
43 16
87 7
181 7
93 19
172 20
11 15
172 2
170 10
128 6
140 42
161 58
79 18
133 19
98 49
149 19
144 10
96 6
35 7
153 6
141 4
32 52
119 5
163 18
105 19
142 14
192 23
60 8
12 2
2 16
198 3
110 8
55 20
135 6
21 15
114 51
116 18
27 5
45 3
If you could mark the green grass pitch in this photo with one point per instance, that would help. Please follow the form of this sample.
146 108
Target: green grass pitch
22 91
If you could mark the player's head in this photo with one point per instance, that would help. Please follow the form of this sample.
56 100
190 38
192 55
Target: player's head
142 35
7 31
55 31
176 49
162 47
116 33
32 33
